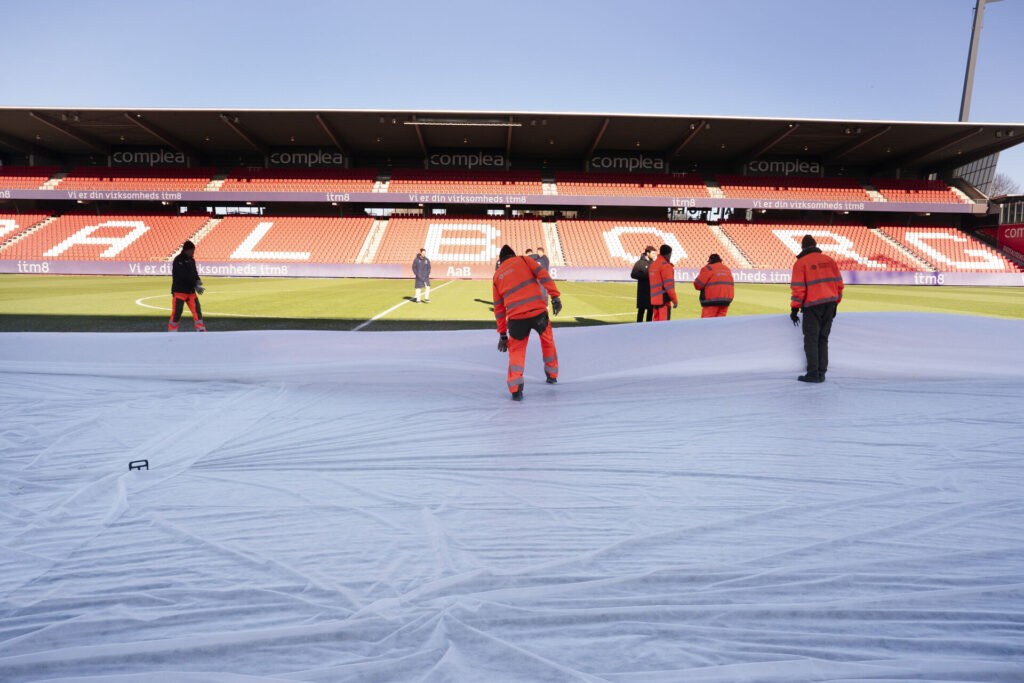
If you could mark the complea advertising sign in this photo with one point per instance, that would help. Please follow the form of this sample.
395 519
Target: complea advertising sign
150 156
627 162
468 159
794 166
306 158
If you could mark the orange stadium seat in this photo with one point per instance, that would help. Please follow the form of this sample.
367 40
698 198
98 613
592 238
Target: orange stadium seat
853 246
144 178
455 239
916 190
299 180
284 239
949 249
25 177
786 187
465 182
618 244
631 184
116 237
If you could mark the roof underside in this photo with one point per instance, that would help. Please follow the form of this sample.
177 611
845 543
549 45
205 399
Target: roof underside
536 136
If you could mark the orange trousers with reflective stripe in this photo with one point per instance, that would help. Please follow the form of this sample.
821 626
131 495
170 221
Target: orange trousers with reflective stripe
714 311
177 299
517 357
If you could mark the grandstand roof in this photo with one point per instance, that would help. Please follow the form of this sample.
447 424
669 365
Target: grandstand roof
527 135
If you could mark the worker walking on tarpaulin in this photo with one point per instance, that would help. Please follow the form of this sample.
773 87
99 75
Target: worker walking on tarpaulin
520 306
185 285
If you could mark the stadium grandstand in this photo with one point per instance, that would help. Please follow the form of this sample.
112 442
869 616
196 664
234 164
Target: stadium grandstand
346 192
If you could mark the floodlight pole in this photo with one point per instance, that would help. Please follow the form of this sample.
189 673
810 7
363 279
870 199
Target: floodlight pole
972 58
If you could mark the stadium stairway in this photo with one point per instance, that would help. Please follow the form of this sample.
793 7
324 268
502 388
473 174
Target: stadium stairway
914 258
52 183
202 232
548 185
730 245
554 243
383 181
372 243
875 195
21 235
216 182
714 189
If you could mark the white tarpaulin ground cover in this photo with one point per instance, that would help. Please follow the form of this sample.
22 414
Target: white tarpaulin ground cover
333 506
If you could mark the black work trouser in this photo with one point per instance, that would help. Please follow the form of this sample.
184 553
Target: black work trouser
817 326
642 311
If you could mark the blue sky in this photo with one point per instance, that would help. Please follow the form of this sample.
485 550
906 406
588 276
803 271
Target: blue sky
870 59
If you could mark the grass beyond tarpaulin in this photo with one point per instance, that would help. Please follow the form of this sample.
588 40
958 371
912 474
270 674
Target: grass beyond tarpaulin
138 304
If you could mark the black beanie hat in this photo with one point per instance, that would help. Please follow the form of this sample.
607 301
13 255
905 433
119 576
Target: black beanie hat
506 252
714 258
187 245
808 242
665 251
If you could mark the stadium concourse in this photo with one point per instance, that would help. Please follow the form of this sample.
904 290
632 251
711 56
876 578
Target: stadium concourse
325 506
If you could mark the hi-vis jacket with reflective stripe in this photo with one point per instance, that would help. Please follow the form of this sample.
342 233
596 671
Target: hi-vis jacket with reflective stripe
816 280
517 290
715 284
663 282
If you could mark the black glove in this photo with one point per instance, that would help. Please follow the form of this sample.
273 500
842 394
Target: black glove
794 315
503 343
675 304
556 305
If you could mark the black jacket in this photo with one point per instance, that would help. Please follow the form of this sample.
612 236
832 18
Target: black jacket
421 270
184 275
643 283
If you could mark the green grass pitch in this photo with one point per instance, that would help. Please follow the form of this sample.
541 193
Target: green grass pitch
137 304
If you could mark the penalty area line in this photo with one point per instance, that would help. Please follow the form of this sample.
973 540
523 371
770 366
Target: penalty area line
398 305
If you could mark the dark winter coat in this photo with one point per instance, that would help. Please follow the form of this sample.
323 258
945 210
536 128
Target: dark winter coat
421 270
184 275
643 283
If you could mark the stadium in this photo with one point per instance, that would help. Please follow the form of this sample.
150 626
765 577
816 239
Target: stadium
332 483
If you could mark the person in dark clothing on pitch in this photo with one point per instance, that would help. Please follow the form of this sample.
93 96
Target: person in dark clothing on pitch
817 287
185 286
644 310
421 272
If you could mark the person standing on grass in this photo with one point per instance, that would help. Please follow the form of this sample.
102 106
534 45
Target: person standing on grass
662 284
520 305
421 271
185 286
817 287
714 282
643 285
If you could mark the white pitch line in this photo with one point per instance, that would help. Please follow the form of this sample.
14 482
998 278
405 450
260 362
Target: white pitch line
401 303
207 312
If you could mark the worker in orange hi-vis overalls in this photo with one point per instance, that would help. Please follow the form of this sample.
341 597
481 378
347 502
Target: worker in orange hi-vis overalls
661 275
520 305
714 282
185 285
